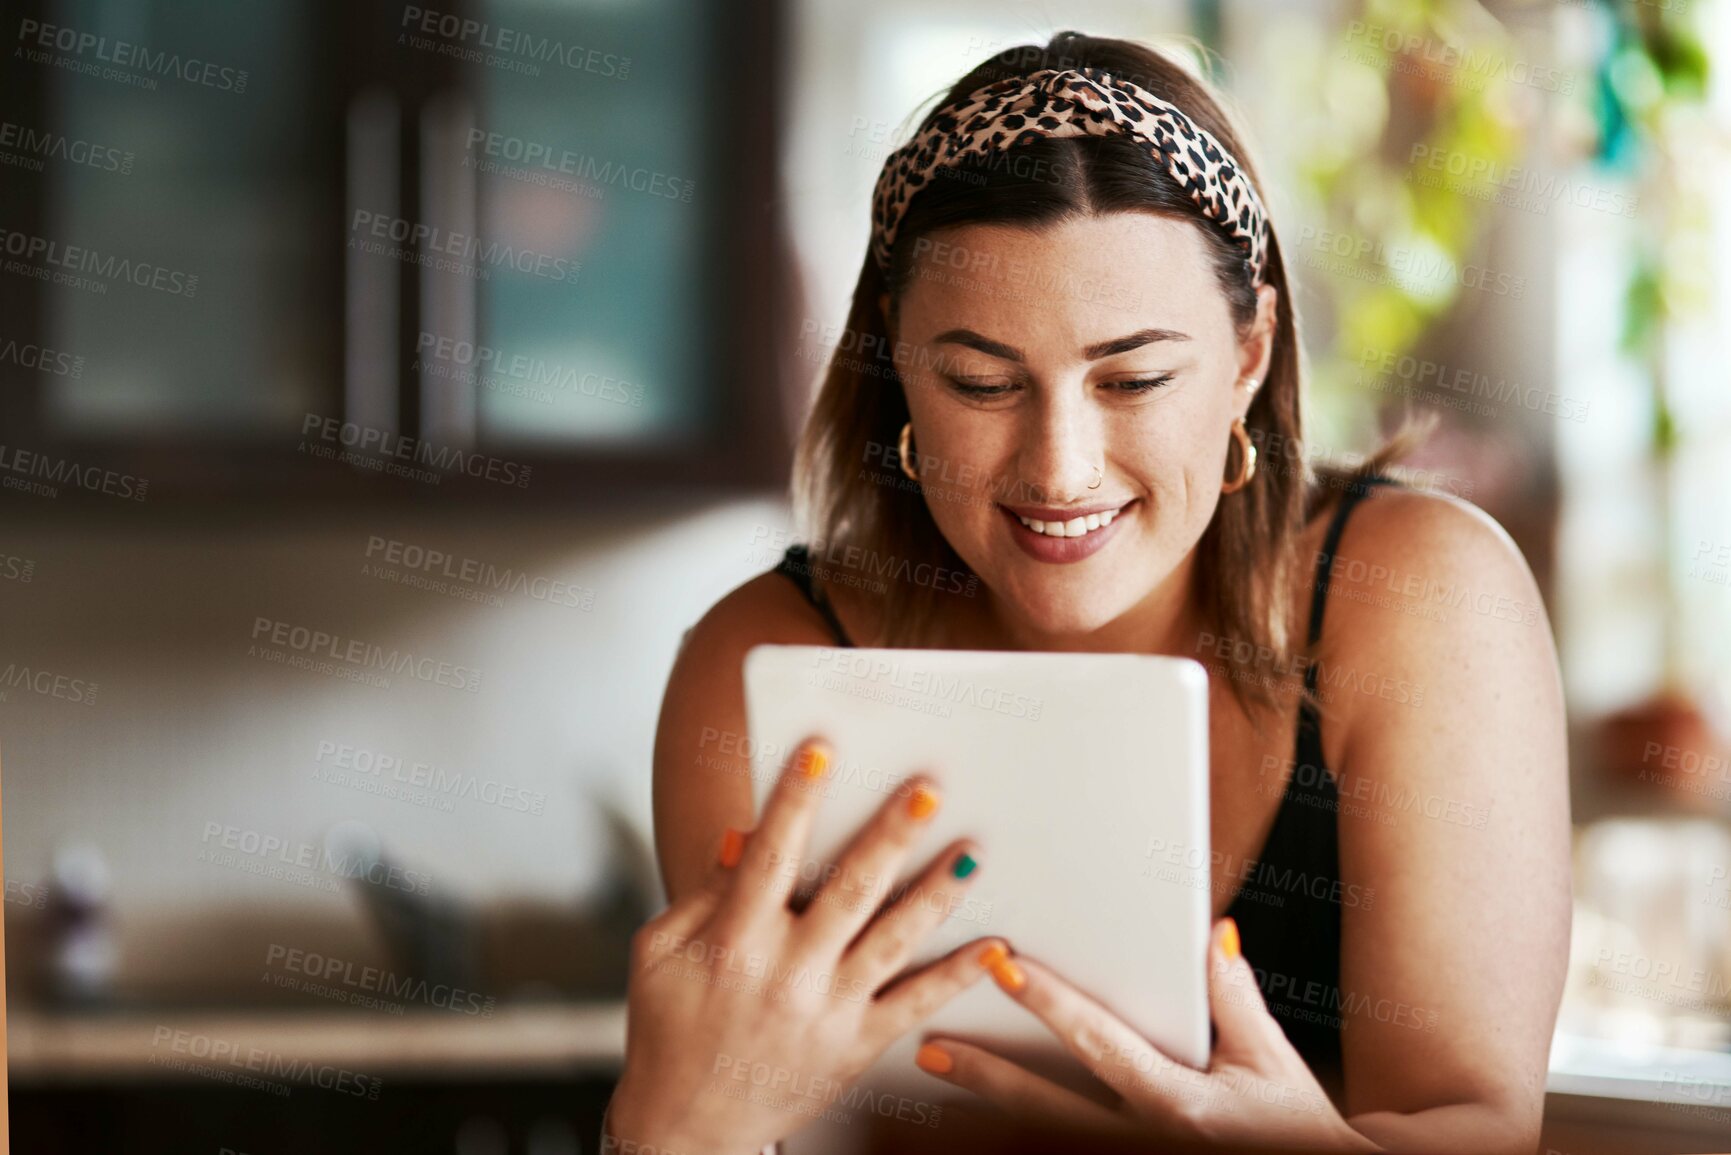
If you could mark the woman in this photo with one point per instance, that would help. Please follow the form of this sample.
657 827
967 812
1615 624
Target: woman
1078 327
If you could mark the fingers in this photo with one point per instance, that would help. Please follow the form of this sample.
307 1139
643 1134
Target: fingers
865 872
1100 1039
1243 1025
1016 1090
759 883
915 997
889 941
689 911
1113 1051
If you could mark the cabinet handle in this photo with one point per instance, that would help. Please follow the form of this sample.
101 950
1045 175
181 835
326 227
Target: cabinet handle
449 298
372 307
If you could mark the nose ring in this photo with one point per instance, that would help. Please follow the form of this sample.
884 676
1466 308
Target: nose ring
1100 476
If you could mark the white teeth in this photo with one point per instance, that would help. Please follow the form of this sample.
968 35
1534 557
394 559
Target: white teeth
1075 527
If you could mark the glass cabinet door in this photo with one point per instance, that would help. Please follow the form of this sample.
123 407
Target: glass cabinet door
186 162
587 164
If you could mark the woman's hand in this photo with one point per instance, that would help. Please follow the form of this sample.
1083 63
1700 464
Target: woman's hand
744 1016
1256 1091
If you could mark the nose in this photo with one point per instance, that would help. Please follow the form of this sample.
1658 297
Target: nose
1062 448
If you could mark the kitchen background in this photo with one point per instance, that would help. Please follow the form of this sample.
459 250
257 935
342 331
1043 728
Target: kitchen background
385 388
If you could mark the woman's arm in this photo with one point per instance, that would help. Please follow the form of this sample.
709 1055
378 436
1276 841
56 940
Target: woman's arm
702 772
1445 725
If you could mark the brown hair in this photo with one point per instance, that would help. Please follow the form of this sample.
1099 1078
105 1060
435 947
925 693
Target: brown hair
848 488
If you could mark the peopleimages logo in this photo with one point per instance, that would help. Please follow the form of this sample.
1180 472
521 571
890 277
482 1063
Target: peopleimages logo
844 558
41 358
1470 66
257 852
35 35
537 155
816 1097
33 472
368 439
1250 661
1544 189
1459 387
362 655
44 258
37 145
488 360
442 249
471 571
1664 979
467 39
47 683
376 980
1361 258
207 1049
854 668
357 765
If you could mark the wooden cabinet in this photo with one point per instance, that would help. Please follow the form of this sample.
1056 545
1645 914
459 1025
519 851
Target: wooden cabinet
492 248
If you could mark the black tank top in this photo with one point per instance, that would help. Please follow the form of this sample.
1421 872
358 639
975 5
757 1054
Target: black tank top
1289 898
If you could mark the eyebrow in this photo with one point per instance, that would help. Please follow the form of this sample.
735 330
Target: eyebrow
1094 352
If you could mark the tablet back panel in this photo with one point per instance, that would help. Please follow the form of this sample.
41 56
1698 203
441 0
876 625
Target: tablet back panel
1083 776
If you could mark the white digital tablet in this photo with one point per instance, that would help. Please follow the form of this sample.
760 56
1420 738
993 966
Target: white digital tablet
1084 777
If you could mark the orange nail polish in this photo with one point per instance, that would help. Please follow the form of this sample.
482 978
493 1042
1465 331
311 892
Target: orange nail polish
1229 944
923 803
935 1059
1005 973
816 761
732 847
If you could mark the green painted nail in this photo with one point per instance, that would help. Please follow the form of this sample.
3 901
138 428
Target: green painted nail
964 865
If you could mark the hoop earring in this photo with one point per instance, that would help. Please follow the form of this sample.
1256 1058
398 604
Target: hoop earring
905 453
1100 476
1247 454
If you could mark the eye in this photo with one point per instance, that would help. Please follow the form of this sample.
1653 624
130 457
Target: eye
1145 385
979 389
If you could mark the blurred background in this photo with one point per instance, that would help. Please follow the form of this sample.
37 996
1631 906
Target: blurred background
385 388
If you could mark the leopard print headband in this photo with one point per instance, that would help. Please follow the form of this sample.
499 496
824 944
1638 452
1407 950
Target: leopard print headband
1064 103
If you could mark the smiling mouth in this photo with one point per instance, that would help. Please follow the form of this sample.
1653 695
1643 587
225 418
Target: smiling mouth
1054 524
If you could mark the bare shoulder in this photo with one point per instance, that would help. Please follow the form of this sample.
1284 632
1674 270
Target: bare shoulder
768 608
702 763
1431 574
1435 533
769 603
1428 588
1444 721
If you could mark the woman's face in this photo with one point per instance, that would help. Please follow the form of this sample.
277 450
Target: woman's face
1039 360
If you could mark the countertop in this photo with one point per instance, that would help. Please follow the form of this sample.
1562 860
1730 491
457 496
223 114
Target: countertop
559 1038
524 1039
